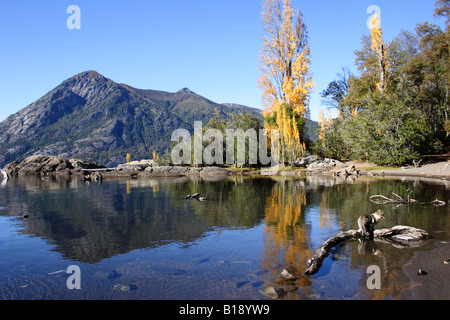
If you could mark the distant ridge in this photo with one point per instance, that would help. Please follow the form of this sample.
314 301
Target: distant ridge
96 119
91 117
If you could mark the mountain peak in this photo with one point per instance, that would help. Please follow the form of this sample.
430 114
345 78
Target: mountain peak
88 84
186 90
89 74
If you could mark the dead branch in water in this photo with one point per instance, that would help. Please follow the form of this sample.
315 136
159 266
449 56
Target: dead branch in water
316 261
380 199
398 234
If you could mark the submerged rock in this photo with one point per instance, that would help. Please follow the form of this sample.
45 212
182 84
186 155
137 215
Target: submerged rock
125 287
421 272
195 196
285 275
273 292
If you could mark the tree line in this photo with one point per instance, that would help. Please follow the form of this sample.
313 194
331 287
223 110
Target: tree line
393 111
397 108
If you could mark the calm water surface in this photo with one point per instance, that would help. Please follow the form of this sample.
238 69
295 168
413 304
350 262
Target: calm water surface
139 239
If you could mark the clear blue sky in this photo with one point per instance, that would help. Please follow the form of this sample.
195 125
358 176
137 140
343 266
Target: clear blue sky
209 46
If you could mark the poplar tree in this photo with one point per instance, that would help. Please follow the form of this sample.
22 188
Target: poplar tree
380 49
286 80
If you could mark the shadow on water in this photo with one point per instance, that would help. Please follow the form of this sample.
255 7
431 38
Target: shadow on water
139 239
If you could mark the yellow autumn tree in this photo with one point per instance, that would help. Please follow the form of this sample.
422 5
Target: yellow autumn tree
286 81
325 123
379 47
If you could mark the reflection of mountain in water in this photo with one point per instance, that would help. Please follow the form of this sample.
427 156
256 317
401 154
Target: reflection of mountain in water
91 222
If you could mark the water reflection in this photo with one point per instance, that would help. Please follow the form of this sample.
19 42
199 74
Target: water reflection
247 232
302 214
91 222
286 233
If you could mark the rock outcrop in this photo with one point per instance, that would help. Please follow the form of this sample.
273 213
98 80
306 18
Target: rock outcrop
148 169
43 165
174 171
315 163
135 166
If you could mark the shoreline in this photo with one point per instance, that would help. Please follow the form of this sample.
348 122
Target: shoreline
51 165
438 170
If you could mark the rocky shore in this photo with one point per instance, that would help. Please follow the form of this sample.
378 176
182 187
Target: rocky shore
45 165
40 165
51 165
145 169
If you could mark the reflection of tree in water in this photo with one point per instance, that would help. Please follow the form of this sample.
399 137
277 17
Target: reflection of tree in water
286 234
326 215
332 205
235 202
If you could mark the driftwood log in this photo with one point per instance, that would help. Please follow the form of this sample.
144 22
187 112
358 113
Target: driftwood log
398 234
380 199
195 196
351 171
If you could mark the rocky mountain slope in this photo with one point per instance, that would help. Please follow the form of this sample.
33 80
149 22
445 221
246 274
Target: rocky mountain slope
93 118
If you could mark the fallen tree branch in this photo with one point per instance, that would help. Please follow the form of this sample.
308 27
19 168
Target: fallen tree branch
380 199
401 234
316 261
417 163
397 235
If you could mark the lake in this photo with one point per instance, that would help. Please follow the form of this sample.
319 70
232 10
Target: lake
139 239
